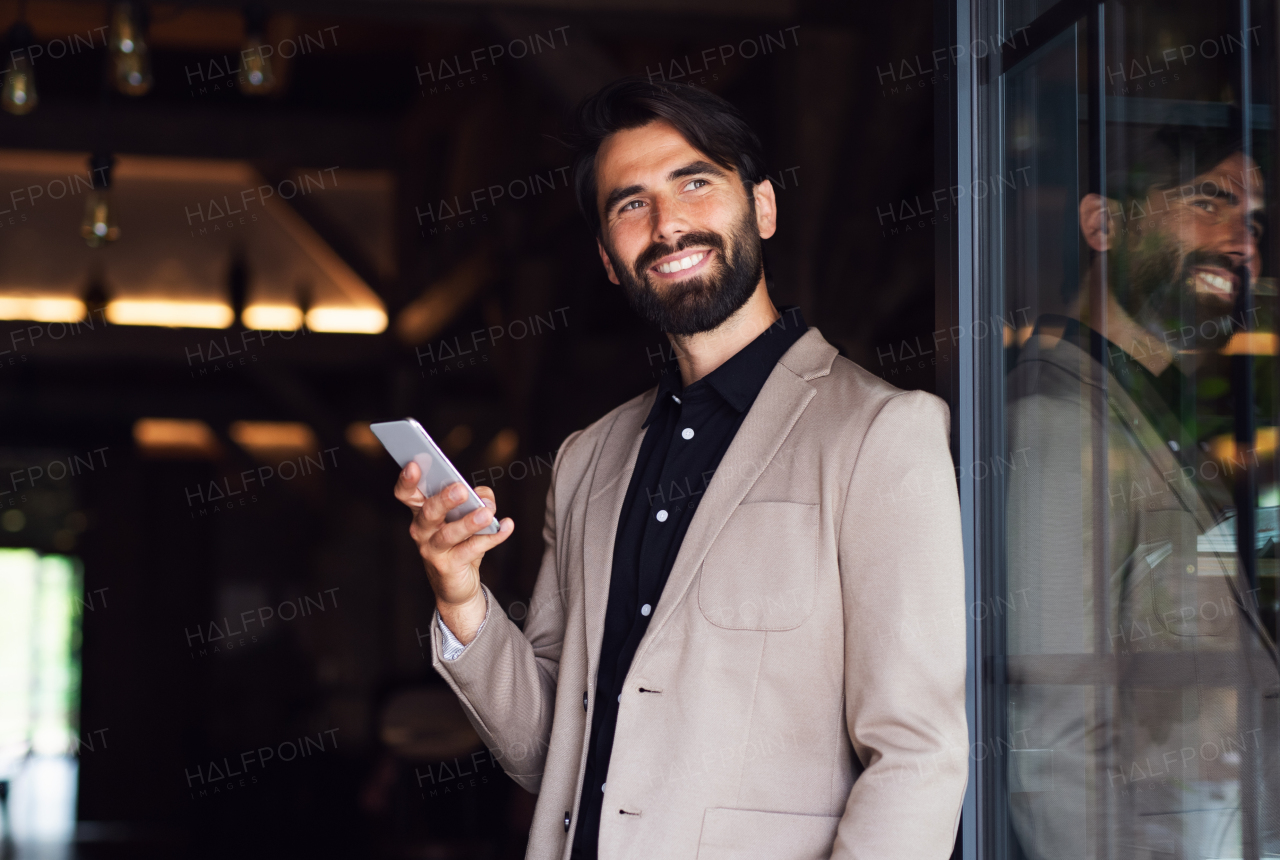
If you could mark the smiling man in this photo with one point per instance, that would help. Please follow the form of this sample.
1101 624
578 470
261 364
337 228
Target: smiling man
1137 647
746 638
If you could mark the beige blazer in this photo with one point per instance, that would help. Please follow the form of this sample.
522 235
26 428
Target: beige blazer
1128 739
800 690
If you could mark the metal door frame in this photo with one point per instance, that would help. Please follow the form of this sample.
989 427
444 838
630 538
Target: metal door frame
965 295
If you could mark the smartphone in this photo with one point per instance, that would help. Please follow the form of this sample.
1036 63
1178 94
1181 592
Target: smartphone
407 442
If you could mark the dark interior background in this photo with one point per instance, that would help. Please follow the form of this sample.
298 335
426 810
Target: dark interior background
846 111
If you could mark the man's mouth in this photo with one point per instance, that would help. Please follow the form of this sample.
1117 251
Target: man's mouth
679 264
1214 281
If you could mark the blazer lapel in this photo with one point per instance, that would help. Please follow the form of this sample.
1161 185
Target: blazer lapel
1089 370
609 484
1157 452
775 411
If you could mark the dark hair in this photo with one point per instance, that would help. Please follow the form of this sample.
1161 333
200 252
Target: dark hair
709 123
1159 157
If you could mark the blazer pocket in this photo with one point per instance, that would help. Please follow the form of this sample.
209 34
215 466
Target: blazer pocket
1190 593
759 573
737 834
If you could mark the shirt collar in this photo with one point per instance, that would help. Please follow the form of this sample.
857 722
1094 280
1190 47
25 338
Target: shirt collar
1123 366
739 379
1157 396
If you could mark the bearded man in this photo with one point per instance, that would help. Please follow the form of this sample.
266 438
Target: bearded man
1143 684
746 638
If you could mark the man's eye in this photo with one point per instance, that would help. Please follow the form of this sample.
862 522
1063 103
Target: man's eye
1206 205
695 184
634 204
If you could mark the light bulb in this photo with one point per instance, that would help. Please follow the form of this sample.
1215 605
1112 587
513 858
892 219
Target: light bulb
99 224
18 95
257 78
130 58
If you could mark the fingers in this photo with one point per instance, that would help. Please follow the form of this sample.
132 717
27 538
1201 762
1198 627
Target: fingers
429 510
458 539
406 489
477 545
486 496
450 534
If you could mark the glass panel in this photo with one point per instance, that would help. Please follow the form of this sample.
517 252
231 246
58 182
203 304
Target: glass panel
1019 13
40 607
1133 531
41 600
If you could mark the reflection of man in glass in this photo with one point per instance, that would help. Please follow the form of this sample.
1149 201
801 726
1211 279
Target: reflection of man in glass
1140 677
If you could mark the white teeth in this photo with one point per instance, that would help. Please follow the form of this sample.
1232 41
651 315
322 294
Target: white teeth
683 263
1214 283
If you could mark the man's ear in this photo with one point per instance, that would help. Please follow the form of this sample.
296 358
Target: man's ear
1095 221
608 264
766 208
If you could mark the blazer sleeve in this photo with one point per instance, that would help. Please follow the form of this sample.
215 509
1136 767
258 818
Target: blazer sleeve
505 677
902 576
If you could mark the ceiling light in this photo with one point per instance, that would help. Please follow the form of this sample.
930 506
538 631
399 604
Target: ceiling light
1223 448
273 317
41 308
170 313
256 75
502 447
130 57
98 227
18 96
361 437
457 440
351 320
175 437
267 437
1252 343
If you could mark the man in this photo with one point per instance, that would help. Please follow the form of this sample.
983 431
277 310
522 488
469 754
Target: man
1143 684
714 662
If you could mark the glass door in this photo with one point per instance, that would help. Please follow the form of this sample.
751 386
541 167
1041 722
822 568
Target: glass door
1127 548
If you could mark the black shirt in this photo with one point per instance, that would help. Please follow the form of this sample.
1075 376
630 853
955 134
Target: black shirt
687 432
1167 401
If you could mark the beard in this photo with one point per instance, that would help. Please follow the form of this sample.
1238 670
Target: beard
702 302
1155 282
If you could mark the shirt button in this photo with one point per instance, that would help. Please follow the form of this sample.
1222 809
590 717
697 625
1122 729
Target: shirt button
676 399
662 516
619 698
645 610
686 433
602 785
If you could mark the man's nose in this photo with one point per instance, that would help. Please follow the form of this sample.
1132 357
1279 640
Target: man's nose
669 221
1240 244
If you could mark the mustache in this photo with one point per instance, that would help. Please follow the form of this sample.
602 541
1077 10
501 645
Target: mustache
1208 259
658 250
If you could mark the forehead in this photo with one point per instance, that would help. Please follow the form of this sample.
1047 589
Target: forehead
641 156
1235 174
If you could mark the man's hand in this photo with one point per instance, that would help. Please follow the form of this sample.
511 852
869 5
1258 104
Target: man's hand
452 551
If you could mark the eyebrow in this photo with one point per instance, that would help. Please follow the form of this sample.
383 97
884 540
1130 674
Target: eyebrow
618 195
1256 215
1220 193
696 168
